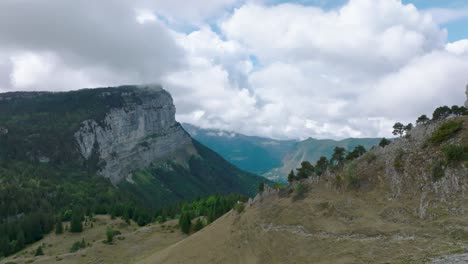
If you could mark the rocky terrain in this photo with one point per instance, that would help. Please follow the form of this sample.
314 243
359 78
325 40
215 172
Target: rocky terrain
405 203
134 136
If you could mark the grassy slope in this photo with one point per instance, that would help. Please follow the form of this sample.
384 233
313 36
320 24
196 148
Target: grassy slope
334 225
134 243
325 227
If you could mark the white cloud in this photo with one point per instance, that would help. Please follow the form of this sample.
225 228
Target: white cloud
284 71
145 15
458 47
86 38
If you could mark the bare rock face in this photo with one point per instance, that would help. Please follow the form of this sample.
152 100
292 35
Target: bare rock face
133 136
466 92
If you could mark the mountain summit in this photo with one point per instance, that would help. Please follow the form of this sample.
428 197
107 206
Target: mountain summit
127 134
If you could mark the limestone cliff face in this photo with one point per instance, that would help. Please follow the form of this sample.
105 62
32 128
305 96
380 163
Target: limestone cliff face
466 102
135 135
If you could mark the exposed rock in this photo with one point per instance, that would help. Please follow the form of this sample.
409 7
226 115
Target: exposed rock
466 92
135 135
455 259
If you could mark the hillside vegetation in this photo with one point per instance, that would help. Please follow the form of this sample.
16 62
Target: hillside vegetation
403 202
45 178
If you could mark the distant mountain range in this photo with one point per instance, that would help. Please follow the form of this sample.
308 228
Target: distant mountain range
271 158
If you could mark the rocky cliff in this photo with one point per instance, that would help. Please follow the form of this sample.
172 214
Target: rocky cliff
127 134
135 135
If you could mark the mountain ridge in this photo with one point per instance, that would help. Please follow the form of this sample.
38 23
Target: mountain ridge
272 158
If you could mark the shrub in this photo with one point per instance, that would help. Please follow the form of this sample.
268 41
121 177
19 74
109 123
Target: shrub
438 170
198 225
398 162
39 251
456 153
299 191
239 207
77 246
370 157
446 131
351 177
109 235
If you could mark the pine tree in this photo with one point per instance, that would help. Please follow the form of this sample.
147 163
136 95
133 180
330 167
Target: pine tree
384 142
291 176
20 240
185 222
422 120
58 226
321 166
75 225
39 251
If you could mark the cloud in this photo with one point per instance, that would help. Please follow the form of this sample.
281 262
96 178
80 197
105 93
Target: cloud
251 66
458 47
83 37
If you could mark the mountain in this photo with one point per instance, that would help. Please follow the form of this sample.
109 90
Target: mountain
311 150
254 154
404 203
269 157
100 151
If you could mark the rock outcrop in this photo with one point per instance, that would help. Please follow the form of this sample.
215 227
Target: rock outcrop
135 135
466 92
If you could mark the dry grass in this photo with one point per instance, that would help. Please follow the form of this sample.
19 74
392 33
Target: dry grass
135 242
326 227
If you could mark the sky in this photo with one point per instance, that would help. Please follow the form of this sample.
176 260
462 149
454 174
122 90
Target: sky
274 68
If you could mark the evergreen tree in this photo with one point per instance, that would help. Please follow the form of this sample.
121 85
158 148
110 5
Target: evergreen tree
321 166
422 120
58 226
384 142
76 225
459 110
39 251
291 176
398 129
305 170
338 156
4 245
20 240
408 128
441 113
356 153
185 222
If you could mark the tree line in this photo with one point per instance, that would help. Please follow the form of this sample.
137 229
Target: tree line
339 157
440 113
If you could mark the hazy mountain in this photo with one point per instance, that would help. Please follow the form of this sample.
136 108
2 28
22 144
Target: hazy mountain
269 157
